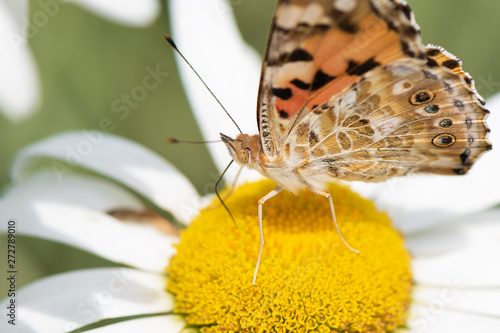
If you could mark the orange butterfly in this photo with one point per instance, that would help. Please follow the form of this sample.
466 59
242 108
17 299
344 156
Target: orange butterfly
348 91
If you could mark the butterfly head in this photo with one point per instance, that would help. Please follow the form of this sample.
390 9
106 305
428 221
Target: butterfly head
239 148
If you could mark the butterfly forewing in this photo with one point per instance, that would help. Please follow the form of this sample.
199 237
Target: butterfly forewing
317 49
348 91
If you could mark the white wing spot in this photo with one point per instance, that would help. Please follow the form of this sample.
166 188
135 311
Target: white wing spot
385 127
344 5
401 69
288 16
401 87
348 100
313 13
402 2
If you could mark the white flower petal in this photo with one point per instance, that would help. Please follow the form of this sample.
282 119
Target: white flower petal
469 255
19 10
455 297
434 318
73 212
459 234
76 189
119 159
207 35
130 12
418 201
162 324
67 301
19 83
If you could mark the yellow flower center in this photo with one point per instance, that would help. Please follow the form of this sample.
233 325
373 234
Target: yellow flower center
308 280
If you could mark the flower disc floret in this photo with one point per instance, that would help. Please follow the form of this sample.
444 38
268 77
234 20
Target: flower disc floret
308 280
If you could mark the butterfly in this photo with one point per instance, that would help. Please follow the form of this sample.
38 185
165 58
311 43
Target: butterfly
348 91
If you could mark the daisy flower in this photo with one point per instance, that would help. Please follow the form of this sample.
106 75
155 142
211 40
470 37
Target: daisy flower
105 194
19 86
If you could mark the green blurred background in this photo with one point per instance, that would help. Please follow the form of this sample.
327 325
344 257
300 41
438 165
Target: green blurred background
86 62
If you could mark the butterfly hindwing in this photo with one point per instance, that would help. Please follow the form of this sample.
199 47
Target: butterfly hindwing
403 117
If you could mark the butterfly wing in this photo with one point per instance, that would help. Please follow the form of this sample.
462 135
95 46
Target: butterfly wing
376 104
317 49
403 117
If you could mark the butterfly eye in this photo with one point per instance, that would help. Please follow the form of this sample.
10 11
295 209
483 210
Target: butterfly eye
243 155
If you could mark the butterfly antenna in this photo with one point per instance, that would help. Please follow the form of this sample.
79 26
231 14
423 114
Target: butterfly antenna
171 42
217 191
175 140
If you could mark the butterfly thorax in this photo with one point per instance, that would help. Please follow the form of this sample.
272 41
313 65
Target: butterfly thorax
247 150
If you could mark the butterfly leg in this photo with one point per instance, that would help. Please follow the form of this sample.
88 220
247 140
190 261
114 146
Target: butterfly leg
332 209
261 202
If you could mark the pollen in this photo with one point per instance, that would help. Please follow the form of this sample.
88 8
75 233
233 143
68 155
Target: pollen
308 280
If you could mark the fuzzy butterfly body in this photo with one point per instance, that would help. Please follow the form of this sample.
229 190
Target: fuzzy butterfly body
348 91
